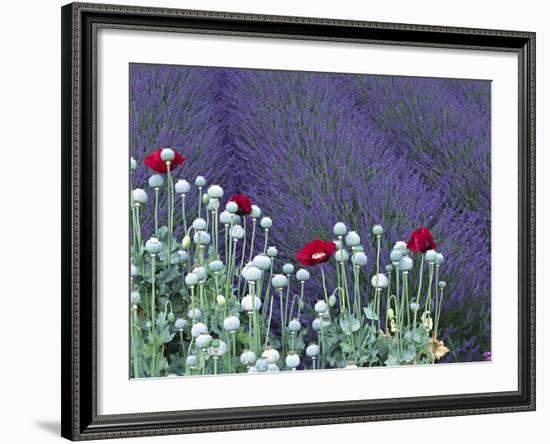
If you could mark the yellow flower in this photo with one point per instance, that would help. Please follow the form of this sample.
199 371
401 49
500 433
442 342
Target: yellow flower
437 348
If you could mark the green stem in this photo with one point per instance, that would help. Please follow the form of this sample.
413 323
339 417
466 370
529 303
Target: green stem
183 216
283 325
156 210
134 343
253 239
242 257
266 239
153 333
269 321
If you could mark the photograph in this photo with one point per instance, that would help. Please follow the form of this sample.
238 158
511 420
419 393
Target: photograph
300 221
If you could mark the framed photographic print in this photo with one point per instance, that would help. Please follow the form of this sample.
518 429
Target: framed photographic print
277 221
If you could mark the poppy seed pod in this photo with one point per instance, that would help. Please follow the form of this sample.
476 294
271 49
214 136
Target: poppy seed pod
414 306
237 232
231 323
201 238
442 284
262 261
133 270
377 230
217 349
183 255
288 268
191 361
194 314
256 212
200 271
400 245
389 268
395 256
340 229
302 275
294 325
139 196
180 324
266 223
406 263
225 217
199 224
279 281
191 279
133 164
203 340
182 187
215 192
312 350
199 329
352 239
360 259
341 256
214 204
249 303
252 370
248 357
316 324
292 360
271 355
251 273
273 368
439 258
321 307
232 207
200 181
216 266
272 252
135 297
167 154
379 281
153 245
431 256
262 365
156 181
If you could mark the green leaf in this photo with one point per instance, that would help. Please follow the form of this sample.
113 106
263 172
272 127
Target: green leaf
370 313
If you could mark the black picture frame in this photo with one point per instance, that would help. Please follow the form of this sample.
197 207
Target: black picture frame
80 420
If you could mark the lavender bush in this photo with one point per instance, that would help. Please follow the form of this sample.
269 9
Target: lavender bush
314 148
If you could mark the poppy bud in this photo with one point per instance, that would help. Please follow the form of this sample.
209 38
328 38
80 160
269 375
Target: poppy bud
171 317
220 299
332 300
186 241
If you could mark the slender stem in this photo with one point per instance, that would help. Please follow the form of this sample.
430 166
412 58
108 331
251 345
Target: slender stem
183 216
266 239
269 321
242 257
182 344
134 343
153 333
324 283
420 281
438 312
287 316
252 239
407 302
301 304
282 314
200 201
170 214
157 190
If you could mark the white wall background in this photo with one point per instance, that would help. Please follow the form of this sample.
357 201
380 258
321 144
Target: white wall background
30 218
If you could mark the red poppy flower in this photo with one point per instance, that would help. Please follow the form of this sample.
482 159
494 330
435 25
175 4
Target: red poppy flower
316 252
421 241
155 162
243 202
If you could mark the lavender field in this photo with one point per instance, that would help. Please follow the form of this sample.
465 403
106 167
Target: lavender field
313 149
